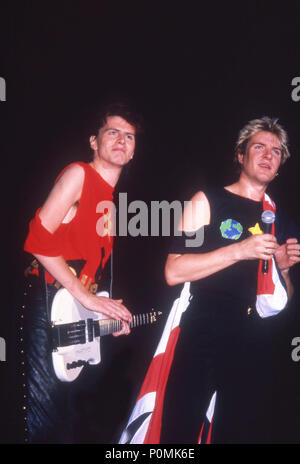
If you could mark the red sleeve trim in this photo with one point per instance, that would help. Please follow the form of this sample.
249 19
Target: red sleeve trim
40 241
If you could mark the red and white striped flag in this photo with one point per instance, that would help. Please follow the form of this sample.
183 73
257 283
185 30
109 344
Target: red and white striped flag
205 436
144 424
271 292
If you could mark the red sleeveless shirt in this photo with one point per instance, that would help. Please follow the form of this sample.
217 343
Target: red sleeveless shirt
88 236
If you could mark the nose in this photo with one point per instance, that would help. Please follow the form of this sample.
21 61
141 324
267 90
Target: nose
121 138
268 152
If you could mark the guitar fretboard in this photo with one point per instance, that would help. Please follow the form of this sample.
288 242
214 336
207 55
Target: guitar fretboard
109 326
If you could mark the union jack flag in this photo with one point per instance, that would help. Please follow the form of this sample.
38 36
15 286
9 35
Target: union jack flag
144 424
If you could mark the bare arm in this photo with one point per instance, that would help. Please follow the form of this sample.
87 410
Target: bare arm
191 267
60 206
289 286
287 255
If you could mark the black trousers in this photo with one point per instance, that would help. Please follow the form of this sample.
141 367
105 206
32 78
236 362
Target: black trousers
46 400
191 381
84 411
214 352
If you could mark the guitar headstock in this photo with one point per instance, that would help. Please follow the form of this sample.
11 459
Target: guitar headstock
153 316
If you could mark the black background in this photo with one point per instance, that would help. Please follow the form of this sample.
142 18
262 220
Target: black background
198 73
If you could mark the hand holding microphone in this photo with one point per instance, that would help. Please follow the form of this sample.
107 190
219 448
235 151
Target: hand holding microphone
267 217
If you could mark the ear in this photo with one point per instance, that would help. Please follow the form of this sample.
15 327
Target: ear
93 142
240 158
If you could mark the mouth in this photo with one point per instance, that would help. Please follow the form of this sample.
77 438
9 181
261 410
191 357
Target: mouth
265 166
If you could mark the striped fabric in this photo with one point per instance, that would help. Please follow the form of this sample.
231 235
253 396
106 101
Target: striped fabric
144 425
271 289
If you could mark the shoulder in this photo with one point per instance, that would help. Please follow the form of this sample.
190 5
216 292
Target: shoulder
73 173
196 213
69 183
200 197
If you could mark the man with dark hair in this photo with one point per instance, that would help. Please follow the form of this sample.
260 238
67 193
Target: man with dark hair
120 108
227 282
71 241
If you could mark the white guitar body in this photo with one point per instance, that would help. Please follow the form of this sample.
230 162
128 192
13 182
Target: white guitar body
76 333
66 309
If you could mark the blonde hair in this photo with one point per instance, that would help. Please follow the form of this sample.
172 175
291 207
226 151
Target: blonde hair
266 124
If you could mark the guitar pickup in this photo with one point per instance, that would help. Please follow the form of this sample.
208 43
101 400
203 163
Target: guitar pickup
68 334
90 330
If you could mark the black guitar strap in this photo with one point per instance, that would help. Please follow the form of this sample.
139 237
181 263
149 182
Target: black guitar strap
46 293
111 274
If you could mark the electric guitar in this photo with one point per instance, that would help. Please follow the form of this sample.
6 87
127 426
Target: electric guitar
76 333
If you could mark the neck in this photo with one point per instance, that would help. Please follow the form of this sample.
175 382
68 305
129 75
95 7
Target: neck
108 172
248 188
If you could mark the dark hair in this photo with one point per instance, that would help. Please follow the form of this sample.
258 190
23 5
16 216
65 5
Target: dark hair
121 108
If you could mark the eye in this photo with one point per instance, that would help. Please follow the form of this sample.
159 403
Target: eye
112 132
277 152
130 137
258 147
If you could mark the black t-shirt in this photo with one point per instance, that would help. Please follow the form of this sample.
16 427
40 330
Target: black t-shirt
231 218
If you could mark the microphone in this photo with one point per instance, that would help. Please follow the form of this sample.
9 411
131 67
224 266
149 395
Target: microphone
267 217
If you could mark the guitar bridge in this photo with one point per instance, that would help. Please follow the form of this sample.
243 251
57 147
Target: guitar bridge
75 364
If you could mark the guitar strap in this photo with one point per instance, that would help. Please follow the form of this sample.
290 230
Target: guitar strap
111 274
46 293
44 284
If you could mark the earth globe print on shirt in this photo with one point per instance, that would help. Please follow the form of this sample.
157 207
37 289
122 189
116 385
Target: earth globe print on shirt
231 229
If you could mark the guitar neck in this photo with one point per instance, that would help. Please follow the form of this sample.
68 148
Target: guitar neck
109 326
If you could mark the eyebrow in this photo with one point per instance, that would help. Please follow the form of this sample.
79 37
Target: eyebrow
119 130
261 143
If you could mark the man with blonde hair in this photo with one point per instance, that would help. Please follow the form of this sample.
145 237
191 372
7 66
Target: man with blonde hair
238 274
265 124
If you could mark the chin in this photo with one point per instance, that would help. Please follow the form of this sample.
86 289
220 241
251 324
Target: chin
120 159
266 179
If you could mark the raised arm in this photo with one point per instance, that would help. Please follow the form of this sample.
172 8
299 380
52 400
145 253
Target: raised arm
287 255
190 267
